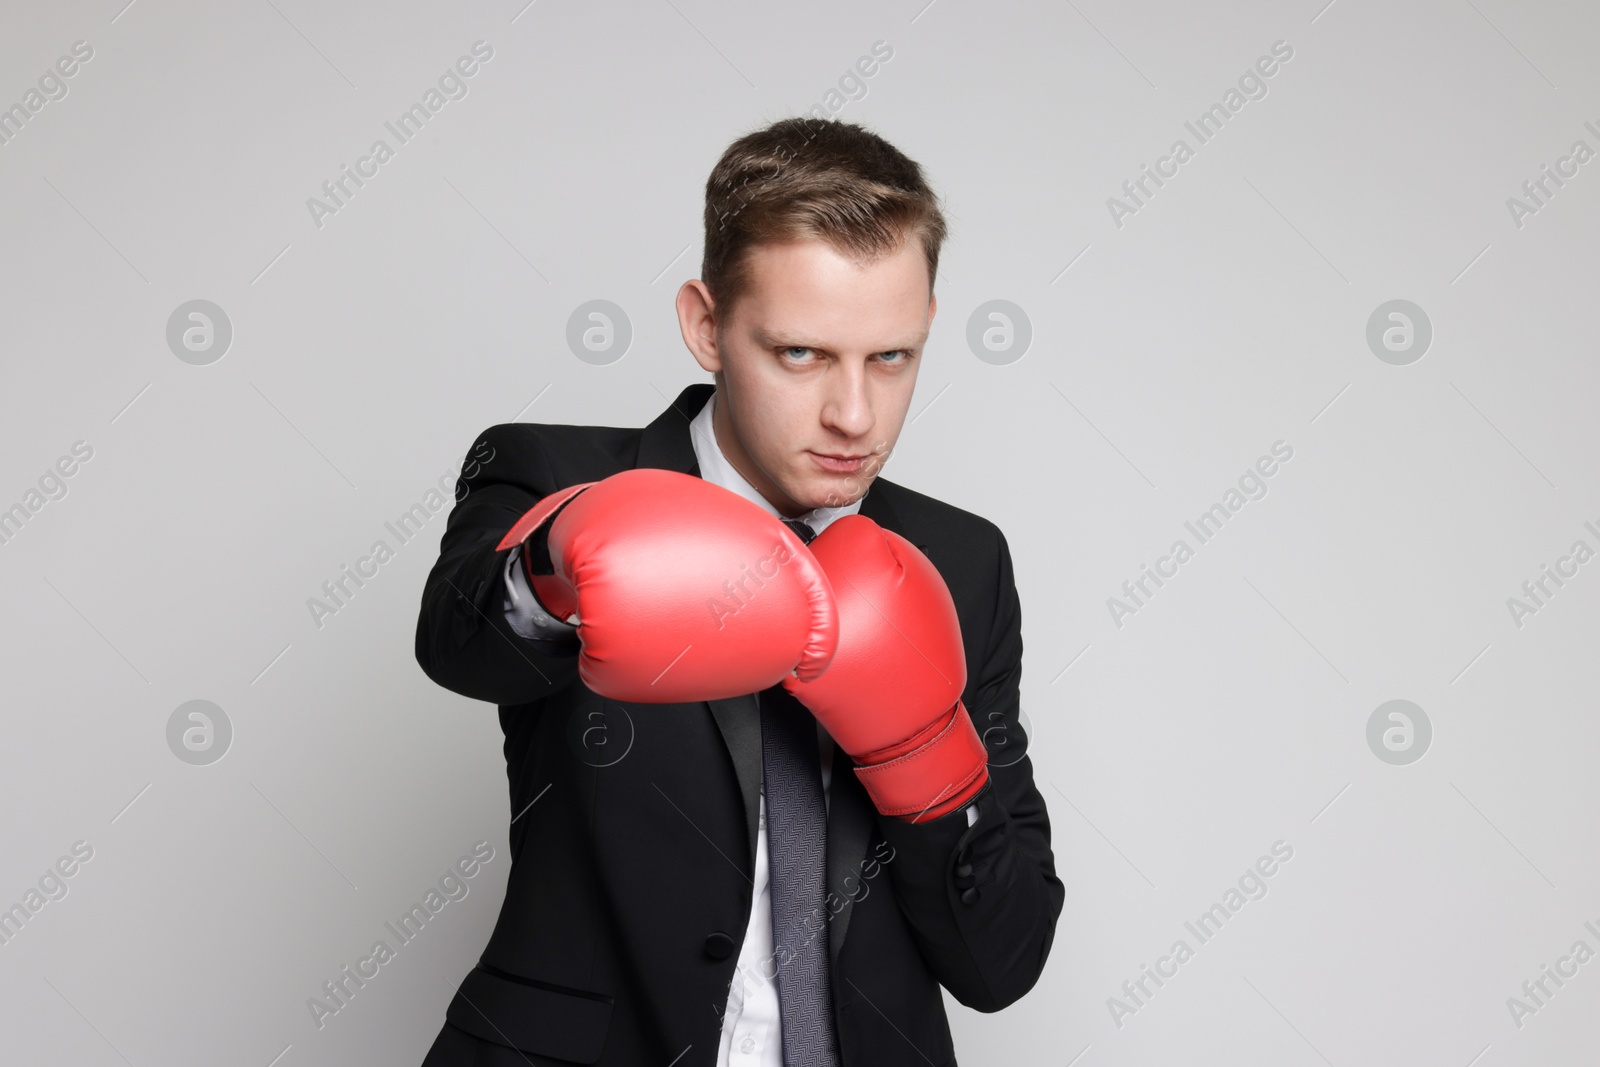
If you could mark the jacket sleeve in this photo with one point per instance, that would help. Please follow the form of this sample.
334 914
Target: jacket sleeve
464 640
983 900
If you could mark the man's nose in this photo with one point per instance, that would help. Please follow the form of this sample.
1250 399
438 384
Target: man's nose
848 407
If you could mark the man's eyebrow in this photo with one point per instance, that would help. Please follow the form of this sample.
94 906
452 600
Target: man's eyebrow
788 340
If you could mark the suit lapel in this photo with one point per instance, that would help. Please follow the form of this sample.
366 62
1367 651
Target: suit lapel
665 445
739 719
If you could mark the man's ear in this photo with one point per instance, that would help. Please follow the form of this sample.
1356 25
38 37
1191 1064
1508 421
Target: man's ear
697 321
933 306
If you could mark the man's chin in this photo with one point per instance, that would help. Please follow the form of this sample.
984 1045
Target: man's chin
837 492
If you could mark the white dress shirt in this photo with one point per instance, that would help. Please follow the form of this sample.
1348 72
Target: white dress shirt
750 1034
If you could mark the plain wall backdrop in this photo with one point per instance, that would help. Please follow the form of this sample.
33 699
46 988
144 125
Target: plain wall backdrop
1109 361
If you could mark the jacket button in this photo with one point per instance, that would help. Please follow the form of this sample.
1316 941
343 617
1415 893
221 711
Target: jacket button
718 946
970 896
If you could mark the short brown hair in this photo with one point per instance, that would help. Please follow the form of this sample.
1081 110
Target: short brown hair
814 178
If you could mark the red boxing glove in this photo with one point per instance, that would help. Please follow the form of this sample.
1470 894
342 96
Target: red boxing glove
892 697
684 591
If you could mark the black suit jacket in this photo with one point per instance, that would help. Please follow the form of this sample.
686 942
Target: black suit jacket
633 831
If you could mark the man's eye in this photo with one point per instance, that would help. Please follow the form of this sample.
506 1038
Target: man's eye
890 357
796 348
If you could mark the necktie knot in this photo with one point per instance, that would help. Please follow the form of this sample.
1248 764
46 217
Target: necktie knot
801 530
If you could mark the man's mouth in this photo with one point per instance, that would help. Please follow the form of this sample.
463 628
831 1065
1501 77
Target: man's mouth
842 462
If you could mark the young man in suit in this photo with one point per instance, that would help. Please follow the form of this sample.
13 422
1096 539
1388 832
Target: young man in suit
747 686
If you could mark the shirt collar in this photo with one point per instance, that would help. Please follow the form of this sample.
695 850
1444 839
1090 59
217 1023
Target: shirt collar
715 468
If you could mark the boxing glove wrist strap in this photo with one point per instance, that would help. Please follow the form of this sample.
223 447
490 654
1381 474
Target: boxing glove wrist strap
934 779
529 536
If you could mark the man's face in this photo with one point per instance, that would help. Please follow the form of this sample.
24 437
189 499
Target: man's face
816 363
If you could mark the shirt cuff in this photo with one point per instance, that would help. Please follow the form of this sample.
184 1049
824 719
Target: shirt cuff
524 614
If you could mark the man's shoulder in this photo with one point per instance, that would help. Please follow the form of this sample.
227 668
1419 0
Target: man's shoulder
936 521
968 550
570 452
559 433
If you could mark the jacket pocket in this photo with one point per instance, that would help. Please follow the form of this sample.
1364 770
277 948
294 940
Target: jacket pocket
530 1016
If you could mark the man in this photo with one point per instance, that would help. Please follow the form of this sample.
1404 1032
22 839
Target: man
699 880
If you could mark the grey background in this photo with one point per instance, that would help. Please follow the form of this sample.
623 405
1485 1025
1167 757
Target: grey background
1167 354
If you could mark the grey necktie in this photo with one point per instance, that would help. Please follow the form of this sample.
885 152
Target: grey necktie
797 823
